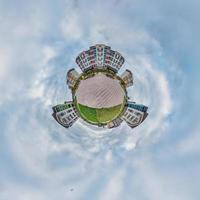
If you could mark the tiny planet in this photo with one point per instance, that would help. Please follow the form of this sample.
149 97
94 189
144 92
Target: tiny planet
99 94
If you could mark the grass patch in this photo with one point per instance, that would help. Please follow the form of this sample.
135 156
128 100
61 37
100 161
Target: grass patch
88 113
99 115
108 114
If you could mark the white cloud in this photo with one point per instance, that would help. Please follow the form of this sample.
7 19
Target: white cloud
161 183
4 63
190 144
114 187
71 27
83 155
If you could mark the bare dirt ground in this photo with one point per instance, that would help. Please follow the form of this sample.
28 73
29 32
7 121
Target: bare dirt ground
100 91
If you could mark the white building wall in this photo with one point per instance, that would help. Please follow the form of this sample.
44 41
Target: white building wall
67 115
133 117
83 61
72 77
127 77
100 56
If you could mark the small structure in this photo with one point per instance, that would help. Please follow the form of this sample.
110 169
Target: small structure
127 77
115 123
135 114
72 77
65 114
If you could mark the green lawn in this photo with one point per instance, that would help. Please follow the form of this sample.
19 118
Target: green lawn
107 114
101 115
88 113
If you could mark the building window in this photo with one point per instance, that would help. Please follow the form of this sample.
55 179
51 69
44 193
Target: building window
129 116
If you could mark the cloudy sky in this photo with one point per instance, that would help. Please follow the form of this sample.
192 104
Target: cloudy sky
40 160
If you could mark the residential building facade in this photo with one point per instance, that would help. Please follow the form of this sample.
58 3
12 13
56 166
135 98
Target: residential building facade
135 114
65 114
100 56
72 77
127 77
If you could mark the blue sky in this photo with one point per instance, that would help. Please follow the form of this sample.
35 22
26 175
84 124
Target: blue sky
40 160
